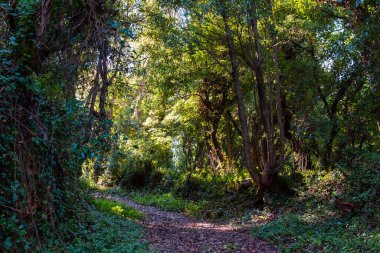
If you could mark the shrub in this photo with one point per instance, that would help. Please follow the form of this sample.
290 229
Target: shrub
310 233
363 186
155 178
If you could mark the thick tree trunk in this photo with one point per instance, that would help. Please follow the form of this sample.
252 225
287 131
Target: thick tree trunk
249 163
263 103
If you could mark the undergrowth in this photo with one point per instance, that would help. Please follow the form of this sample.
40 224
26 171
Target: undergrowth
116 208
108 233
309 221
167 201
308 233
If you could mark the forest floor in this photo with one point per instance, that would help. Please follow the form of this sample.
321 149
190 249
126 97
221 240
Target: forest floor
167 231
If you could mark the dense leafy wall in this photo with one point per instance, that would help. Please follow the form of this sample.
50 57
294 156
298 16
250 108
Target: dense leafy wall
46 132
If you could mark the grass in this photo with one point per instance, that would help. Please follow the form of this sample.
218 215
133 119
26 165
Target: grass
312 233
303 226
167 201
89 186
104 226
109 233
116 208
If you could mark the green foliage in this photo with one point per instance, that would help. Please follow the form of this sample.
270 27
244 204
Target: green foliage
311 233
363 186
309 222
175 123
167 201
136 163
45 131
116 208
58 165
108 233
155 178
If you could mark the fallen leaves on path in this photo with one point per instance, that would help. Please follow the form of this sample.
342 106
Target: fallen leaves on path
171 232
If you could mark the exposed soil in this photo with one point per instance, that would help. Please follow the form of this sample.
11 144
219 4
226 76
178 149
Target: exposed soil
175 232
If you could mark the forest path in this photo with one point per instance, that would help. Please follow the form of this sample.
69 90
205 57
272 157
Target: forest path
175 232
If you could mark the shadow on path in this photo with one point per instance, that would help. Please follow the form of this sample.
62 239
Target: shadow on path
171 232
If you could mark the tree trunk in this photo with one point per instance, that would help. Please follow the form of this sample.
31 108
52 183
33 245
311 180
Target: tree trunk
229 140
249 163
105 81
263 103
95 88
279 111
214 139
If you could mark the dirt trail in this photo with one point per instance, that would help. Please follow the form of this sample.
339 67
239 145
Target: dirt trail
175 232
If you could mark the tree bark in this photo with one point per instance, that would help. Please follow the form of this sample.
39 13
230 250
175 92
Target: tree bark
249 163
229 140
263 102
279 111
105 81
